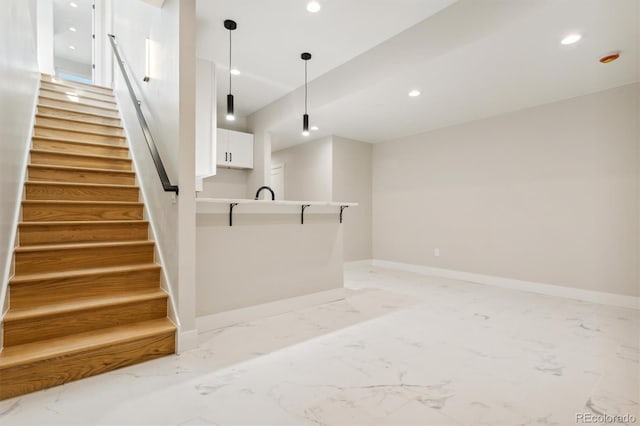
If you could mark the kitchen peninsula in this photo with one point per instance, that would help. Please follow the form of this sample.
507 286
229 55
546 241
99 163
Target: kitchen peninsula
256 252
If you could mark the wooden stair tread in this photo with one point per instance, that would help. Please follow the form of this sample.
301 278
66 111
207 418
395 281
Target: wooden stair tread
79 96
49 79
81 305
87 185
50 210
78 104
81 143
63 88
82 222
30 278
80 203
83 342
80 169
74 246
75 120
74 154
88 132
93 114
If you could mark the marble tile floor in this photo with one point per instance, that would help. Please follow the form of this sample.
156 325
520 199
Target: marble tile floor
400 349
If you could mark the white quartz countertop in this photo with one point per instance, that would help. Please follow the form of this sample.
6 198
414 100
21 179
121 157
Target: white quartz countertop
248 206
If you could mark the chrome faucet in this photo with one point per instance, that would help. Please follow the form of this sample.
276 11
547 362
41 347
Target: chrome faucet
273 195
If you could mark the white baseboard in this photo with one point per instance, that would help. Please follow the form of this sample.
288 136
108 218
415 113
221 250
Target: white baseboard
186 341
533 287
228 318
355 264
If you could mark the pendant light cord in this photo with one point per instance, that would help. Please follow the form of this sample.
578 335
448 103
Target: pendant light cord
229 61
305 87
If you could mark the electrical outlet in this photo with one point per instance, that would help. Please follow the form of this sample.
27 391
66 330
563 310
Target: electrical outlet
436 252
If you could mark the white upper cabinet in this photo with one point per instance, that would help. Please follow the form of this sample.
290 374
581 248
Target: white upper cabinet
234 149
222 149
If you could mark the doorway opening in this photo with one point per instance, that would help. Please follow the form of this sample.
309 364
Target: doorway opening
277 180
73 40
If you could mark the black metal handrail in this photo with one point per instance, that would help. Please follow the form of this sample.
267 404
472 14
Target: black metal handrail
166 184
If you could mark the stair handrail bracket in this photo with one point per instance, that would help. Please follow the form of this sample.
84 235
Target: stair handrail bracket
162 173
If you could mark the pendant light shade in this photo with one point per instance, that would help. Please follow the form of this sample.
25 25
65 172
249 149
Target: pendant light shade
231 26
305 125
305 118
230 113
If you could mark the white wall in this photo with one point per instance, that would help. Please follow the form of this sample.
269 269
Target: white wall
19 80
45 32
548 194
334 169
186 178
227 183
78 69
352 182
103 74
168 102
264 258
239 124
206 121
308 170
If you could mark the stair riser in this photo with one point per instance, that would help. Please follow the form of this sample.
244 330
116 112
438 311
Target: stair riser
78 136
74 91
79 193
77 107
62 159
76 99
81 258
32 234
78 126
78 148
78 116
66 289
75 85
32 213
80 176
20 380
50 327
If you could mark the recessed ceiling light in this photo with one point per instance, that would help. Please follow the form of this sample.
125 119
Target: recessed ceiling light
72 47
414 93
72 29
315 128
571 38
235 71
72 4
314 6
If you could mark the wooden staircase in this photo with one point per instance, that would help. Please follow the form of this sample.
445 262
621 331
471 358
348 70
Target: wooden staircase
86 296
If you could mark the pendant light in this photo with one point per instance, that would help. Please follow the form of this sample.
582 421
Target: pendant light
231 26
305 118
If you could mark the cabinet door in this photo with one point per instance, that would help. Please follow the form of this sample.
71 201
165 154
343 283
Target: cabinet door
222 150
241 149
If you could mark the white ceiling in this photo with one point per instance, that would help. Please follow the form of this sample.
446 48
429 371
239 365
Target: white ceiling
81 18
473 60
272 34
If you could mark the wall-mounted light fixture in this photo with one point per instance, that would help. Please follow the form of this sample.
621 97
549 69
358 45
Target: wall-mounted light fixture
231 26
305 118
147 60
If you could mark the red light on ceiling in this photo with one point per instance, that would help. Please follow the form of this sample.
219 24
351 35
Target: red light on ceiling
610 58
